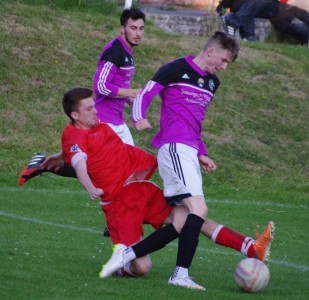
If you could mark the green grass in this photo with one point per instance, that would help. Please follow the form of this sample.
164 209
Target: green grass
256 130
52 248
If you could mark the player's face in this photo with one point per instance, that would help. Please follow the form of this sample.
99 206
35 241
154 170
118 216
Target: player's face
219 59
132 32
86 116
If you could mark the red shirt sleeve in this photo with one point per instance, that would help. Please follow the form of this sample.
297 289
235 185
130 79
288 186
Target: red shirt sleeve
73 142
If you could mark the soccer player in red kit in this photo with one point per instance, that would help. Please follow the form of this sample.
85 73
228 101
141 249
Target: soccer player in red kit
115 171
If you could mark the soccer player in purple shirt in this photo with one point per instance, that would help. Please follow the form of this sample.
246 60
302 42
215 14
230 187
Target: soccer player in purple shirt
115 71
186 87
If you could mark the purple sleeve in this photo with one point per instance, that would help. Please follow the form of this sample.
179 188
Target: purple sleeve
103 77
202 149
143 100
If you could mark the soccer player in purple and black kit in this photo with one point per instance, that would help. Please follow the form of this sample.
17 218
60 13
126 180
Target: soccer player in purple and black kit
186 87
115 71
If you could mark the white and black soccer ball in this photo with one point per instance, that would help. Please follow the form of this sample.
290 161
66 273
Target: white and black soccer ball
251 275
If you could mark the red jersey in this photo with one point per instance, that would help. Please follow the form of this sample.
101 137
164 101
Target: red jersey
110 162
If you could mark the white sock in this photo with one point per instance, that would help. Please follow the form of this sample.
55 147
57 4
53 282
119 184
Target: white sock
180 272
246 244
128 254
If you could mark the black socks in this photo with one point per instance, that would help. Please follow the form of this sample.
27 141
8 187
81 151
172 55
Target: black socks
155 241
188 240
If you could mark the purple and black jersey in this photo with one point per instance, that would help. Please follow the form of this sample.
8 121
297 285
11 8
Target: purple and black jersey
115 70
186 91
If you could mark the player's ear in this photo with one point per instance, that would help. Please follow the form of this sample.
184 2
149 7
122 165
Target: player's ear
210 51
122 29
74 115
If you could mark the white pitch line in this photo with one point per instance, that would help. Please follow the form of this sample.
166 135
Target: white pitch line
42 191
89 230
233 202
38 221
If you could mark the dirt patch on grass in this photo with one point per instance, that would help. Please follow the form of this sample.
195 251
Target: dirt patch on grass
258 78
292 90
267 112
22 53
9 24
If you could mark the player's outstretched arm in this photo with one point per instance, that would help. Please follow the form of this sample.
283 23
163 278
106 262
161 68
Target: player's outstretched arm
83 177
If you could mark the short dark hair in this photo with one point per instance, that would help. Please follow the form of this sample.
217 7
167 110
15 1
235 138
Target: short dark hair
131 13
224 41
73 97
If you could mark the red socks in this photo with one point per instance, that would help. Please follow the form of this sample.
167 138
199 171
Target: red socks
230 238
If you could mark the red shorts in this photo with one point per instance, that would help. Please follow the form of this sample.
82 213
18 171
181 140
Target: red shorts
139 203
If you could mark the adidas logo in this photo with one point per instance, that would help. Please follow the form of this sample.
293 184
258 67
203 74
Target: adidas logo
126 59
185 76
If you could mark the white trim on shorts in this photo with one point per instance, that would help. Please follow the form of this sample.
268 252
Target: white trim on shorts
123 132
180 171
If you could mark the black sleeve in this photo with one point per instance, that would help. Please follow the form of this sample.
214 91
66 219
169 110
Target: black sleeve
114 55
168 73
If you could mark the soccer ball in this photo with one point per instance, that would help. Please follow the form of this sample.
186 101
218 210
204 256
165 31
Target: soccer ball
251 275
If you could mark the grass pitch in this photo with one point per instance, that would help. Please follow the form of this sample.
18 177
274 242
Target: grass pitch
52 247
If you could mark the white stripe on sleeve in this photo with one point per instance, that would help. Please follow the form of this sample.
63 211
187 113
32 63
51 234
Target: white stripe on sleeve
77 157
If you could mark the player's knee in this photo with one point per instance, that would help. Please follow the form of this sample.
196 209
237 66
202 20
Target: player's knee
144 268
141 266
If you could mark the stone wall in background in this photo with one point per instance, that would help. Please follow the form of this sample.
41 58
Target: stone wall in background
187 25
209 4
195 22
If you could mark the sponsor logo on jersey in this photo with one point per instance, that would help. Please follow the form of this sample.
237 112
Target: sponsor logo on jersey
185 76
211 84
126 60
75 148
201 82
200 98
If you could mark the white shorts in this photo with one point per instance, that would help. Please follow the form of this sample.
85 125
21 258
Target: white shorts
123 132
180 170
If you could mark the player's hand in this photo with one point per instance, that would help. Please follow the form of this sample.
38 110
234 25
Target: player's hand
135 92
130 101
53 162
207 164
142 124
95 193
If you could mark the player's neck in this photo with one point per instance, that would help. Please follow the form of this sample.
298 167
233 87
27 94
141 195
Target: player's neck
200 62
79 125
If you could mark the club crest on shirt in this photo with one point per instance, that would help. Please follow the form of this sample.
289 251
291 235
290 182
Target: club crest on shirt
75 148
211 84
201 82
